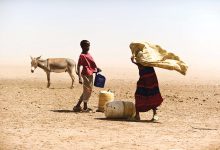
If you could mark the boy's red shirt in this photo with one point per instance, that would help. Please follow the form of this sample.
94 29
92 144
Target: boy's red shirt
88 63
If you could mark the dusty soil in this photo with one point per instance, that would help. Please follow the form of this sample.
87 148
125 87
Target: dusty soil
35 117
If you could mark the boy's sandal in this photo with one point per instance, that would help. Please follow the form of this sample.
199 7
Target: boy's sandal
87 110
77 109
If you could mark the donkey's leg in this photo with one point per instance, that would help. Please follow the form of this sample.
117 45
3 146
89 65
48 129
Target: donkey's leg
48 79
71 76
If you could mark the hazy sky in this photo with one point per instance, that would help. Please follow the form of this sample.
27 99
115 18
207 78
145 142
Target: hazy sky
51 28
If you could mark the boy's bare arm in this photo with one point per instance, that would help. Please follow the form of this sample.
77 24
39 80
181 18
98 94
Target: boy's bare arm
79 70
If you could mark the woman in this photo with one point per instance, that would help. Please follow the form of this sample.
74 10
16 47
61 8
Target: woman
147 95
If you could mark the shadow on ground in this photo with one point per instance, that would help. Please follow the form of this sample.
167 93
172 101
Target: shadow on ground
64 111
127 120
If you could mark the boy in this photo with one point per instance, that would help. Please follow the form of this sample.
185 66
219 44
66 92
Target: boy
89 67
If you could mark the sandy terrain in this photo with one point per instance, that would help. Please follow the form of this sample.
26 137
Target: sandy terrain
34 117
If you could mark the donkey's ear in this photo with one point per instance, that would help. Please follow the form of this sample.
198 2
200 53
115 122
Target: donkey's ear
38 57
31 57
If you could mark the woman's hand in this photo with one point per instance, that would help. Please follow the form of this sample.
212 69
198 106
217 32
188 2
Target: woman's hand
132 59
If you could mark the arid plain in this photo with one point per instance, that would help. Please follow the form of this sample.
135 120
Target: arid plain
35 117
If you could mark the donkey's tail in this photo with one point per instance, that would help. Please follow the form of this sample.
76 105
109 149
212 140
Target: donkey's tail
72 64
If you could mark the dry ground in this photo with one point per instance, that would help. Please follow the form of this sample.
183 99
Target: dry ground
34 117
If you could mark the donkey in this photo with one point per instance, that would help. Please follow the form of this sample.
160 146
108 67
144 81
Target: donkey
56 65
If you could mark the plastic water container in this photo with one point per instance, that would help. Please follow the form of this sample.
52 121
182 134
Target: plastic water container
99 80
104 97
119 110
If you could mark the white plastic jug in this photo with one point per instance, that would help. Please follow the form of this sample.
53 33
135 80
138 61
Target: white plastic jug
119 110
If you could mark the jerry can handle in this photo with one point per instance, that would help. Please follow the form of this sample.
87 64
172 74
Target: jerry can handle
109 90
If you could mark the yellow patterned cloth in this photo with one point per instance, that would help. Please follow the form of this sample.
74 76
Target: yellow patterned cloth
152 55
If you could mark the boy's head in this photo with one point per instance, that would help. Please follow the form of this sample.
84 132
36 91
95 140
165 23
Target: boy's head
85 44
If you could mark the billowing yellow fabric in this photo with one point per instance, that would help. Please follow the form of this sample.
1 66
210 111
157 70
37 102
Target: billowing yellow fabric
148 54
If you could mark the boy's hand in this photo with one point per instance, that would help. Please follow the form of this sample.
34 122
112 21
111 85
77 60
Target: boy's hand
99 70
80 80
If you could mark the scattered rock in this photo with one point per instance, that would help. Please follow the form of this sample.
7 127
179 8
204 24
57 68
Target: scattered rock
175 96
